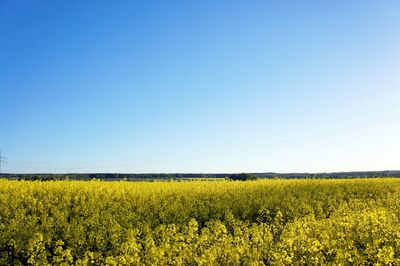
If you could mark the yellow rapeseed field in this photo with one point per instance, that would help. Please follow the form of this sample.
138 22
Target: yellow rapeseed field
279 222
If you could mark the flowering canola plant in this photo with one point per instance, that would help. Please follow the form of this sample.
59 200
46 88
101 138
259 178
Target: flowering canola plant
264 222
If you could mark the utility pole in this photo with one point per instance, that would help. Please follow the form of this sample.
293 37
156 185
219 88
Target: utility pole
2 160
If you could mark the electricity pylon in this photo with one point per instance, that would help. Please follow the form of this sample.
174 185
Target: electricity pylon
2 160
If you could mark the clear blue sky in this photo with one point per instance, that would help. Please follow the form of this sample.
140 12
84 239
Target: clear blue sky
199 86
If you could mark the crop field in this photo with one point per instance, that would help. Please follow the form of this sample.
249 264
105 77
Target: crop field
264 222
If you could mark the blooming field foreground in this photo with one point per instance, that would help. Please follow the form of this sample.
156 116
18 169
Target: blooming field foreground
283 222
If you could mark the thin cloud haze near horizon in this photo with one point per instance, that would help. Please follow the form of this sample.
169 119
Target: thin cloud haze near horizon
208 86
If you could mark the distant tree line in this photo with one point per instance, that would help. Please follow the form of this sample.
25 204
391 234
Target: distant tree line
242 177
177 176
